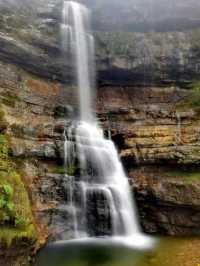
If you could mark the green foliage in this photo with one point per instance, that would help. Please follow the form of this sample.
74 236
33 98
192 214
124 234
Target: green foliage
10 214
6 204
15 212
8 234
8 190
21 221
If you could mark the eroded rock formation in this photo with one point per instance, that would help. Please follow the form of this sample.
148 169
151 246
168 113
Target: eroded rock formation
159 145
144 83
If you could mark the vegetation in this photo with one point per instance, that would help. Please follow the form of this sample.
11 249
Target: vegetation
186 175
9 99
6 203
71 171
15 212
3 123
60 170
193 99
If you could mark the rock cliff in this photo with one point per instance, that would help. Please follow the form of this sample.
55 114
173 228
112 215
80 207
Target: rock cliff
158 140
148 98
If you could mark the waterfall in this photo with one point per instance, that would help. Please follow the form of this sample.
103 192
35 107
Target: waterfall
77 36
101 201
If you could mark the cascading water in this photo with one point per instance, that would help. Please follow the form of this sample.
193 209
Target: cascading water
100 197
77 36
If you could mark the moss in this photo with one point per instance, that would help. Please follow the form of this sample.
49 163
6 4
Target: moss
71 171
188 176
10 101
60 170
3 123
193 98
9 234
16 219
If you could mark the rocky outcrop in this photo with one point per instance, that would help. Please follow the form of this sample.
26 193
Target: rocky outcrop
148 59
144 15
146 123
18 254
33 43
159 145
149 125
168 199
144 81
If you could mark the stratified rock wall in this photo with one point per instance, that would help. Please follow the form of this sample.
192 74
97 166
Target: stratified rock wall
144 81
158 140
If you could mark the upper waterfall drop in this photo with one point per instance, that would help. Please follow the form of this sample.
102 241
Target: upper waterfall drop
102 202
77 36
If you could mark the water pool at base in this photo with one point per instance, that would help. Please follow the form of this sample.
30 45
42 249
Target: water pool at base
168 252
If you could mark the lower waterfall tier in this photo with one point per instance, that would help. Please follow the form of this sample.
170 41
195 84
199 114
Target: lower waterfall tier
99 193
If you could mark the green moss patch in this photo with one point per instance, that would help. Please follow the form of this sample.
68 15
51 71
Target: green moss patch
16 219
188 176
193 98
71 171
59 170
3 123
10 100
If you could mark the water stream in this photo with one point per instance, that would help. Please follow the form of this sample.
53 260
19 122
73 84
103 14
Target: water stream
101 199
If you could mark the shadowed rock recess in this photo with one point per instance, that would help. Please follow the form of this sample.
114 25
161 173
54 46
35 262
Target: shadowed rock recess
148 99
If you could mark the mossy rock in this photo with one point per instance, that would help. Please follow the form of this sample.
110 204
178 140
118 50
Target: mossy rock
193 98
16 219
71 171
189 176
3 122
9 101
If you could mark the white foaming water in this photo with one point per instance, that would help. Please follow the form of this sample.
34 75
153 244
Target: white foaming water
105 199
77 35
